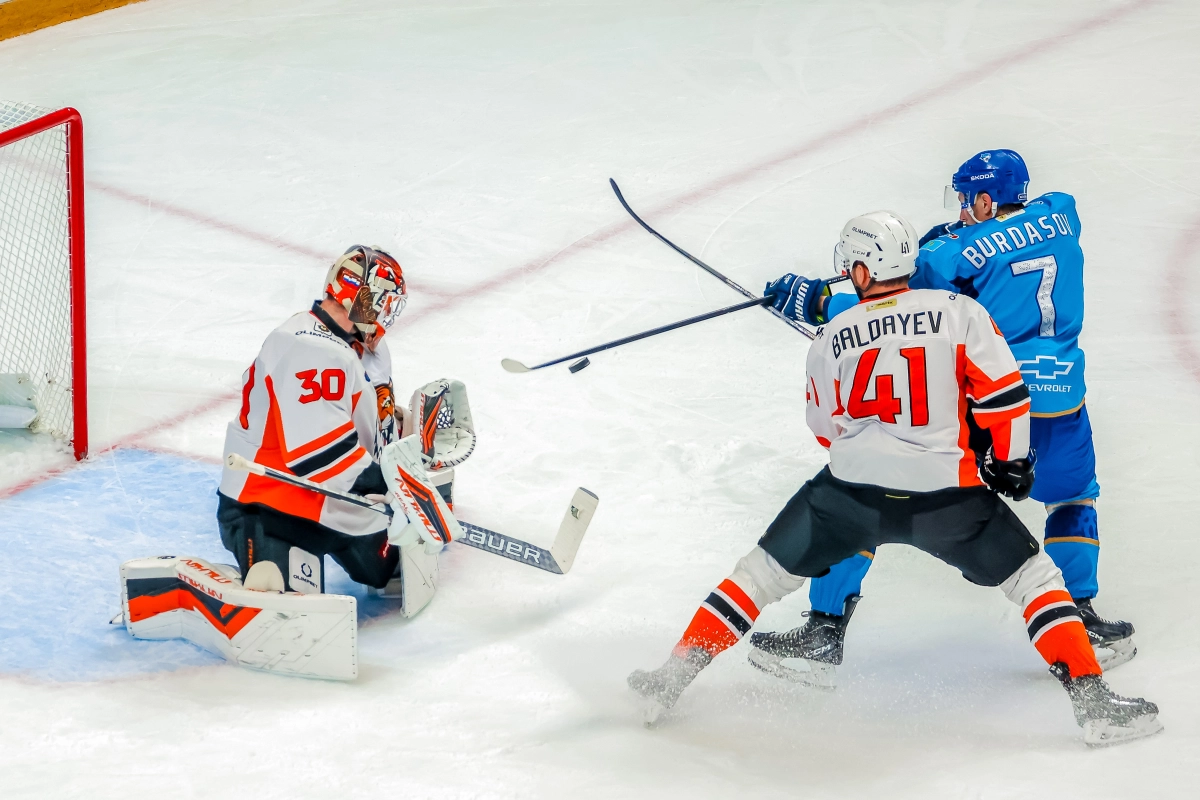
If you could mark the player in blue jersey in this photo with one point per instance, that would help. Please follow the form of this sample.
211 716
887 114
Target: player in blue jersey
1021 259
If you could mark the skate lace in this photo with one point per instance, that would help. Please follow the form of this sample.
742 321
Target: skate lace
1090 611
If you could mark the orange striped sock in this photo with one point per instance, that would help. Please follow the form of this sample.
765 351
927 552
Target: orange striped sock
1057 631
724 617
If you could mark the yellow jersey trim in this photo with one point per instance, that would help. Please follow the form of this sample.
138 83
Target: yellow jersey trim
1059 413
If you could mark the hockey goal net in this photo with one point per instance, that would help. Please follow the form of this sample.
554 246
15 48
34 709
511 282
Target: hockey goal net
43 354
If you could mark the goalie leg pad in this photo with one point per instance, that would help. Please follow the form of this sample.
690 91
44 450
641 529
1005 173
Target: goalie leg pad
310 636
418 577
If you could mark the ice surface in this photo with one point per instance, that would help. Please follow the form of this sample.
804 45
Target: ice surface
83 524
234 146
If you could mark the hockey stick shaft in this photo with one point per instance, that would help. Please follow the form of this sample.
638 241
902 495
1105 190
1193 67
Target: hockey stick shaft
516 366
235 461
719 276
558 559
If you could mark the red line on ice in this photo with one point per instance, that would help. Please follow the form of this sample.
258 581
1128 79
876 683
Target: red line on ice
227 227
1175 289
126 441
960 81
956 83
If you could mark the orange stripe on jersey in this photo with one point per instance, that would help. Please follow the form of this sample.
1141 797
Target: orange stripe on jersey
267 491
837 397
354 401
816 397
821 440
968 473
996 327
339 467
988 417
320 441
306 448
735 593
979 385
1001 439
244 417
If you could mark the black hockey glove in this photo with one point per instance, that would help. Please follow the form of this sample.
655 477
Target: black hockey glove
1010 478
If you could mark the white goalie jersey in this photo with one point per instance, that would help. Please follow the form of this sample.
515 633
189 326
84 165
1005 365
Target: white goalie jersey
309 408
892 380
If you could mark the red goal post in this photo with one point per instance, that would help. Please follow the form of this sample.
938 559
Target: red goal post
43 326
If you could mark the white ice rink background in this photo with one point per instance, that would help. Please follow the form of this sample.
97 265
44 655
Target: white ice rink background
234 147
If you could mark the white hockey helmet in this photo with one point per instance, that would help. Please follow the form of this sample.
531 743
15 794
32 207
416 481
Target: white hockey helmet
883 240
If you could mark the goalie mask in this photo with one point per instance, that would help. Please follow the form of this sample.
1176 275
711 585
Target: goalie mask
369 284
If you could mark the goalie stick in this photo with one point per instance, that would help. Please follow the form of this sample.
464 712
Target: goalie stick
558 559
512 365
732 284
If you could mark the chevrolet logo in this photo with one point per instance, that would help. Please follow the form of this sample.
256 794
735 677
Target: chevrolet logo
1046 367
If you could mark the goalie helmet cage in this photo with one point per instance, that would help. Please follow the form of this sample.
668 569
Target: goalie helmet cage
43 333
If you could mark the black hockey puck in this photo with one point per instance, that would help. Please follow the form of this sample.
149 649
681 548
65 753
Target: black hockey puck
578 365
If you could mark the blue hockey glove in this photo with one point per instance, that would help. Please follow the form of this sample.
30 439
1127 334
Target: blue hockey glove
799 297
938 231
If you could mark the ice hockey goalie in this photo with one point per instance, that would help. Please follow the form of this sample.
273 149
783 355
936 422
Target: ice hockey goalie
318 403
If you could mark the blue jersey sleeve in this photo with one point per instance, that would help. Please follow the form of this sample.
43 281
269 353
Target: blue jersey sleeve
838 303
941 265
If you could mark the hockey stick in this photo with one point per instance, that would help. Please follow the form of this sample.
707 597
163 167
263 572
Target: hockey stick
558 559
727 281
516 366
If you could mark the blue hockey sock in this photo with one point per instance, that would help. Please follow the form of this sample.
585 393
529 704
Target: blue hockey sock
828 593
1073 543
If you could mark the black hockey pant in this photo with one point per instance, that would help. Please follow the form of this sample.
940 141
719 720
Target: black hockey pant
255 533
829 520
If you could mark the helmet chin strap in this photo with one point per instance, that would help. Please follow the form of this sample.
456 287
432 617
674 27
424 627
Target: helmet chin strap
970 211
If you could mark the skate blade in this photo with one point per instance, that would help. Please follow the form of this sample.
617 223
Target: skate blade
1102 733
1114 654
651 709
653 713
817 676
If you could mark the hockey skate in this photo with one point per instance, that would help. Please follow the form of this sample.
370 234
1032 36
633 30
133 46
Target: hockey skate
818 643
1106 717
661 687
1112 641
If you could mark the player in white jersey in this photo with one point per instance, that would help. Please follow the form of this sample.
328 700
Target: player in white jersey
888 391
318 402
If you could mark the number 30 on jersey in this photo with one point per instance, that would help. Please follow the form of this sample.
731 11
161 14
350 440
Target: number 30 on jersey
331 386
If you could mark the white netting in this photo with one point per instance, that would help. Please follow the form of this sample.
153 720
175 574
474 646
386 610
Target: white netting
35 270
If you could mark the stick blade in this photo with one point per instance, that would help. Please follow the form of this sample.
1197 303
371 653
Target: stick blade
574 525
512 365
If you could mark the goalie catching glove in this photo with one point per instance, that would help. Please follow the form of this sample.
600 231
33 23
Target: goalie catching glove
420 515
441 415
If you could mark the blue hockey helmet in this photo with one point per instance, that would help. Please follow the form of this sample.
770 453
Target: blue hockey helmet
1000 173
